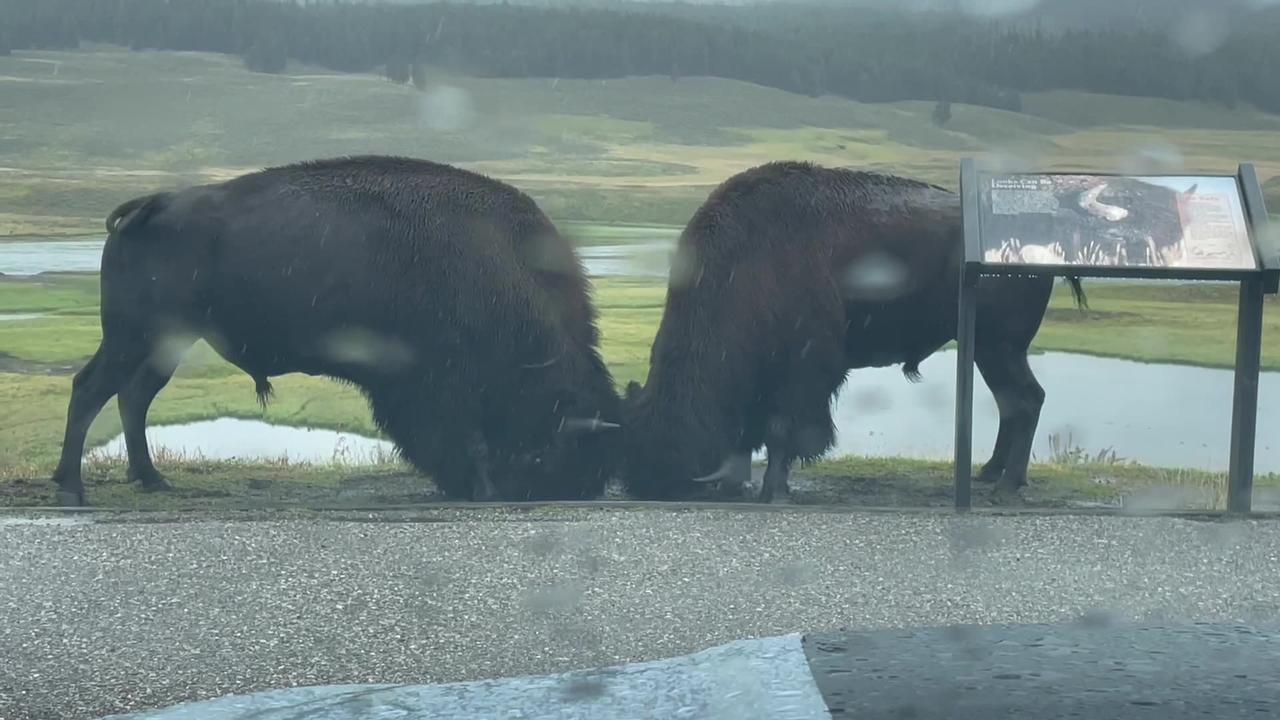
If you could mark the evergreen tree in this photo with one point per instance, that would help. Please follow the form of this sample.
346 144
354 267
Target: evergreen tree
942 113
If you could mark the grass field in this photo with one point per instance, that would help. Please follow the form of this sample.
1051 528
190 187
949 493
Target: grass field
1191 324
82 131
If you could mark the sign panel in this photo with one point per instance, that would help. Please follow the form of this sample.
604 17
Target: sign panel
1114 221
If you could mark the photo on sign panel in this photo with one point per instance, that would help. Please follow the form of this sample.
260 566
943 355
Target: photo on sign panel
1093 220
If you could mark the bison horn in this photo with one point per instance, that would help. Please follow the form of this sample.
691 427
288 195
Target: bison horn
720 474
577 425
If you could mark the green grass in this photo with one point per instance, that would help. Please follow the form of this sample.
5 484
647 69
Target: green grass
1187 323
110 124
612 162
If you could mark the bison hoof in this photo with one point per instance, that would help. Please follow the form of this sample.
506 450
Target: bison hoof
731 490
782 497
1008 489
72 498
156 484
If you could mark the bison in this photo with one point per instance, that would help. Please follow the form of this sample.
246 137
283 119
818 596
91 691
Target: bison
787 277
1095 221
448 298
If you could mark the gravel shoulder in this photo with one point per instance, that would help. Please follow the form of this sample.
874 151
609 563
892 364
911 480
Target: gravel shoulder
102 614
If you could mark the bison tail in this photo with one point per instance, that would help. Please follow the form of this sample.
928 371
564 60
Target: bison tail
1077 292
147 203
262 387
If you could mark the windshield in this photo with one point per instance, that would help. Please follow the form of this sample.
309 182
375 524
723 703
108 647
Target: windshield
612 358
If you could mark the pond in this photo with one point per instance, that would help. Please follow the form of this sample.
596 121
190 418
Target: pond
30 257
1160 415
236 439
639 257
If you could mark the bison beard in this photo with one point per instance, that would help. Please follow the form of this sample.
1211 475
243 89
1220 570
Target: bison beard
448 298
788 276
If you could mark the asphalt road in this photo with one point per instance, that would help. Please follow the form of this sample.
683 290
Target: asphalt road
103 617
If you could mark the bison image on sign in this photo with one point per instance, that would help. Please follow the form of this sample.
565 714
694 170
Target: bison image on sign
789 275
448 298
1176 222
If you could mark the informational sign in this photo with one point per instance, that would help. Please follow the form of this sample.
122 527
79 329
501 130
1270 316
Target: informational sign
1183 222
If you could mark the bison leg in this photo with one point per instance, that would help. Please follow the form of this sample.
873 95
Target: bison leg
775 482
1020 398
134 401
92 387
478 451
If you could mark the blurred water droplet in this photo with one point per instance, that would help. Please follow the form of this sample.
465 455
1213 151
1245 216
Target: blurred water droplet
958 634
361 346
1012 160
550 253
974 534
170 351
684 264
1098 619
796 574
554 598
1269 238
934 399
1200 31
1153 157
875 276
1229 535
587 687
869 401
445 108
544 544
997 8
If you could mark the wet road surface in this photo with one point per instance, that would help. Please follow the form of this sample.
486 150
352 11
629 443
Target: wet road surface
103 617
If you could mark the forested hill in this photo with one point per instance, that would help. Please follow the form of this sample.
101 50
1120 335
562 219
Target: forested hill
858 53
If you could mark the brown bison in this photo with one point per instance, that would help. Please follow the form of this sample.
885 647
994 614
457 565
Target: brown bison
789 275
448 298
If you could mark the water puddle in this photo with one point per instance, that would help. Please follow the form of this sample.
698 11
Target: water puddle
648 259
1093 404
32 257
1138 410
254 440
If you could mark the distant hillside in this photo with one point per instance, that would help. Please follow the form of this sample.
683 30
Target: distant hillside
1271 195
860 52
83 131
1165 15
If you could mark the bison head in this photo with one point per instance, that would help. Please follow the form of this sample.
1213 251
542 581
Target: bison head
568 452
1128 221
666 448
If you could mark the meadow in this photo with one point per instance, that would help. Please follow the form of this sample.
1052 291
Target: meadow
82 131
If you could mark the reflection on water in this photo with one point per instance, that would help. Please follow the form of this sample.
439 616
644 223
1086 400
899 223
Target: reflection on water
235 439
1163 415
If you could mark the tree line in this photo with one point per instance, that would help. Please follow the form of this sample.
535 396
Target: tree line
868 56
